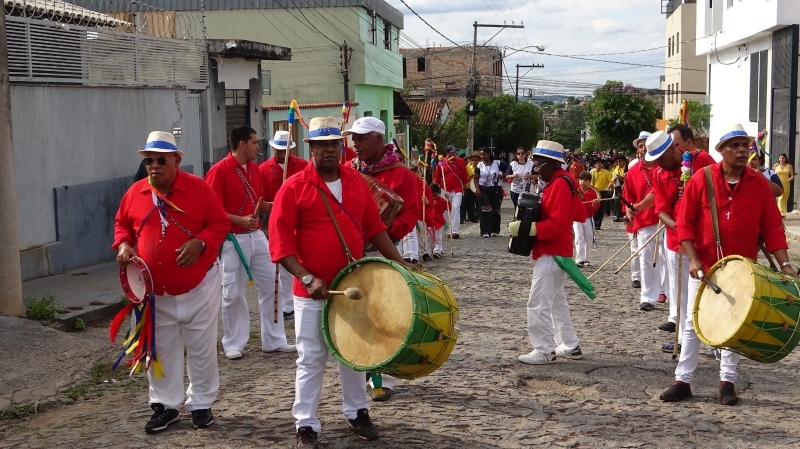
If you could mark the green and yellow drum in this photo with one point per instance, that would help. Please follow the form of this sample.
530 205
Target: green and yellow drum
405 324
755 315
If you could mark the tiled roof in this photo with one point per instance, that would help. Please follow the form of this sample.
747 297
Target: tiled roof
426 112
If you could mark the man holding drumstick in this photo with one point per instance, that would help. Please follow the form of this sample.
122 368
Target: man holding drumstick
306 242
746 210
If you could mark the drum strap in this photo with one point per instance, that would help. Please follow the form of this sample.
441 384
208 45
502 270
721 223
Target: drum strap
712 203
324 196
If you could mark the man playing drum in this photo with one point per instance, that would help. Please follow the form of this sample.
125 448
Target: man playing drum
245 253
309 245
175 223
746 210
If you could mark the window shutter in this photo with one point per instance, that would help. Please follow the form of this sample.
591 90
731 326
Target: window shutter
754 73
762 90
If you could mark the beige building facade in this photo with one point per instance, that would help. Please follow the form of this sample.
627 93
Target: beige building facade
685 75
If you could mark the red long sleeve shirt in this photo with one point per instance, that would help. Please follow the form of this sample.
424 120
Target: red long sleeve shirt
272 174
238 189
554 228
455 175
666 185
638 183
403 182
138 223
300 225
438 208
745 212
590 195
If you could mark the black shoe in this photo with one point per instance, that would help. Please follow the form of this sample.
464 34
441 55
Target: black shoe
646 306
669 347
414 261
362 426
637 284
475 221
161 419
667 327
456 236
617 220
597 228
727 394
306 437
677 392
387 393
288 315
407 259
426 258
202 418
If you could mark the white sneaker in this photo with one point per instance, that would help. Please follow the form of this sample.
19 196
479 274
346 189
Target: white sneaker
233 355
537 358
284 348
570 353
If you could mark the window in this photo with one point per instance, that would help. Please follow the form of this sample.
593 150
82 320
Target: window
678 43
384 116
405 72
730 3
421 64
669 93
387 35
677 92
669 47
266 82
758 86
367 113
373 28
237 97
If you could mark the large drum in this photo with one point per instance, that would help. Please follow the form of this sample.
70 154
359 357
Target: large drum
405 325
755 315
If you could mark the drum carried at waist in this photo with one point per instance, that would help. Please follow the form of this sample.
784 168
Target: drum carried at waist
755 315
405 324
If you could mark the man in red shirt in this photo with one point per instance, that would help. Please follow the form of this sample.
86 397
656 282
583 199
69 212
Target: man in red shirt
584 231
245 253
550 327
451 172
272 178
305 242
174 222
663 149
638 191
746 209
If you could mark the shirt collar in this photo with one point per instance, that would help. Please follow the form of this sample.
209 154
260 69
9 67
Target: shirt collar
176 185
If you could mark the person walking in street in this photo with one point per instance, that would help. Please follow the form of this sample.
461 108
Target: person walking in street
601 181
618 173
584 231
576 167
489 176
745 203
452 174
785 171
521 175
271 172
175 223
307 244
437 220
245 253
469 205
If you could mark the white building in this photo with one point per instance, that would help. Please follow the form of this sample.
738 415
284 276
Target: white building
685 75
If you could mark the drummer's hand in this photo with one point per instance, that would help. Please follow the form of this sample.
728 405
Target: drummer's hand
789 270
125 253
626 220
189 252
411 266
247 221
695 266
317 289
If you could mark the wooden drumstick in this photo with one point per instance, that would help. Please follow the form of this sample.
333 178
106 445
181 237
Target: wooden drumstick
258 207
612 257
655 253
713 286
641 248
353 293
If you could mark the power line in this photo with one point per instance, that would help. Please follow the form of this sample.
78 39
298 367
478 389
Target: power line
429 25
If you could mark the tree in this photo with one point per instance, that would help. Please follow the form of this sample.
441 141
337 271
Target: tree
567 129
589 146
506 123
699 118
617 114
453 131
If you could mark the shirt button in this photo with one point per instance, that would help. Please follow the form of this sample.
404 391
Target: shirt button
159 263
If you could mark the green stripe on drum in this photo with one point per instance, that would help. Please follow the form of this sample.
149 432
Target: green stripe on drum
760 352
790 312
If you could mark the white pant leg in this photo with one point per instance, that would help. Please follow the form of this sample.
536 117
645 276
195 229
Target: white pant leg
235 314
273 335
636 269
437 244
690 349
661 264
455 211
728 366
411 245
547 280
191 320
577 231
651 282
676 290
562 321
285 284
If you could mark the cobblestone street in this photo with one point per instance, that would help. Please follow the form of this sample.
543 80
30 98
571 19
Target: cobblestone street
482 397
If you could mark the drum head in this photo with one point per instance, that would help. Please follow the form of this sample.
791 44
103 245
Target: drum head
371 330
719 316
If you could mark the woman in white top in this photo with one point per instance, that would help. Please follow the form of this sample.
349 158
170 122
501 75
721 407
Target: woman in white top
520 175
489 176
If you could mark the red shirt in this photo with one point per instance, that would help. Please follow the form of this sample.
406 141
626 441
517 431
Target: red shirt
665 186
455 175
590 195
237 188
438 208
638 183
272 174
576 168
300 225
138 223
404 183
348 155
554 228
745 212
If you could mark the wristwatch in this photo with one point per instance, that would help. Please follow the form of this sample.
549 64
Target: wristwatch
203 244
307 279
786 264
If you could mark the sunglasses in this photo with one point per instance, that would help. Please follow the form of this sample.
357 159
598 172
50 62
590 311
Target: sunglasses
161 160
520 154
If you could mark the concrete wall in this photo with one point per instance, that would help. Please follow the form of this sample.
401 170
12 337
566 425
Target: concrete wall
742 22
690 75
69 137
374 99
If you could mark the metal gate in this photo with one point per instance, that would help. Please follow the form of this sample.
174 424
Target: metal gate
194 136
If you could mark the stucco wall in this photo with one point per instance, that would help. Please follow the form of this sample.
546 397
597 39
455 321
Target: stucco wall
686 69
374 99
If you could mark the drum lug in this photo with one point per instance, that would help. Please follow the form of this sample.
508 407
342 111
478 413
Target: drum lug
441 335
790 301
785 326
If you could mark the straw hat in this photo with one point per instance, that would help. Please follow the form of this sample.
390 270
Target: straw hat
731 132
657 144
324 128
550 150
161 142
642 136
280 140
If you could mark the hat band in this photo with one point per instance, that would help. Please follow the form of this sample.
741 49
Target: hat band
643 137
662 148
279 142
548 152
160 145
324 132
733 134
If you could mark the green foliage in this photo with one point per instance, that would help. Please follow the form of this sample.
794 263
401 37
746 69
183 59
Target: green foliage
100 371
699 118
79 324
617 114
572 101
508 123
453 131
567 129
590 146
77 391
18 411
43 308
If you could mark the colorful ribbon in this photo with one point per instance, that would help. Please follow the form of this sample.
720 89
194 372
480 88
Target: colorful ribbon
139 341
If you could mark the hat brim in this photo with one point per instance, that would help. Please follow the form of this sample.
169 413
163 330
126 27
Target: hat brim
158 150
636 142
306 140
352 131
559 159
280 147
719 144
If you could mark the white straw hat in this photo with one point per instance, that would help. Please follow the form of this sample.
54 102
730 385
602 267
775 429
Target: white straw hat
731 132
324 128
549 149
161 142
642 136
280 140
657 144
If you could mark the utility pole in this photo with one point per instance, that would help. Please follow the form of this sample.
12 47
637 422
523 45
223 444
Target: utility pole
10 271
474 78
516 90
346 70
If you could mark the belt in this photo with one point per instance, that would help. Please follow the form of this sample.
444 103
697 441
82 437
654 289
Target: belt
246 232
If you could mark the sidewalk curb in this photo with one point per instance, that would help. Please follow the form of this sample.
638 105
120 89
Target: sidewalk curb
793 235
90 316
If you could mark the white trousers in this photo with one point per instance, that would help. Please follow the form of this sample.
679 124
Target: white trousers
662 264
690 351
676 290
651 277
584 232
235 314
436 243
455 210
312 355
409 246
636 269
188 321
286 283
549 321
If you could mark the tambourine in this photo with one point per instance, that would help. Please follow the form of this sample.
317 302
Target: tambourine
136 280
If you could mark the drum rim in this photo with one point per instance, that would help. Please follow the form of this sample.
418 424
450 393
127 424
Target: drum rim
702 289
141 265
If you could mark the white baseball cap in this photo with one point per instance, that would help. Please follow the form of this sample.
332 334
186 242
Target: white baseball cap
366 125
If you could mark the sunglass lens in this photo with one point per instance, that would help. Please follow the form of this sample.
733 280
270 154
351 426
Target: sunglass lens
150 160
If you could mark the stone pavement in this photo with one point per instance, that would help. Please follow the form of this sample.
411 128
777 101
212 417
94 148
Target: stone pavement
482 397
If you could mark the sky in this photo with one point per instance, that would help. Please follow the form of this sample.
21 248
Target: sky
580 28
